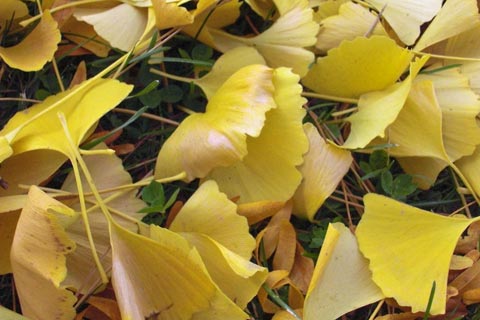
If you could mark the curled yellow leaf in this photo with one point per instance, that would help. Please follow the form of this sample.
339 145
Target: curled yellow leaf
38 258
36 49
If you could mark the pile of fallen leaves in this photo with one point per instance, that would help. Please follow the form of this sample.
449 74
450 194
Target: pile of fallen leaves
300 104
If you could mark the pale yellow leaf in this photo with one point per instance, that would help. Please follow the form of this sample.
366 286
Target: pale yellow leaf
122 25
323 168
209 212
352 21
420 117
406 16
236 276
81 33
7 314
107 172
225 66
341 281
163 277
460 262
38 257
455 17
459 106
283 44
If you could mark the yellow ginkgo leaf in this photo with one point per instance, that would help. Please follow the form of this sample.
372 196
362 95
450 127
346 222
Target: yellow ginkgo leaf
464 44
323 167
7 314
341 281
225 66
326 8
268 171
121 25
210 213
83 105
169 15
218 137
415 252
261 7
455 17
406 16
12 9
459 106
38 258
10 207
163 277
236 276
108 172
80 33
358 66
12 170
283 44
472 71
352 21
469 167
43 40
377 110
224 13
420 117
424 170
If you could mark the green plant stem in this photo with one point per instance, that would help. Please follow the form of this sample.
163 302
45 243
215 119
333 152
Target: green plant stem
275 297
172 76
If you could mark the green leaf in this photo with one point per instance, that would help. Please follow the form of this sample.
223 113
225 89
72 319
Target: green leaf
202 52
152 99
154 194
403 186
365 167
378 159
386 180
172 93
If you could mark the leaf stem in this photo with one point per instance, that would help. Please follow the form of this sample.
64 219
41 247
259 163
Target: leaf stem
73 159
328 97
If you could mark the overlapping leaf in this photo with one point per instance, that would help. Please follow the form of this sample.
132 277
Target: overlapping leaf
419 246
357 67
268 171
282 45
38 258
323 168
341 281
43 40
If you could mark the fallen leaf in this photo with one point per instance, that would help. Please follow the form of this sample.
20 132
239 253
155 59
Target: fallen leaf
341 281
39 251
